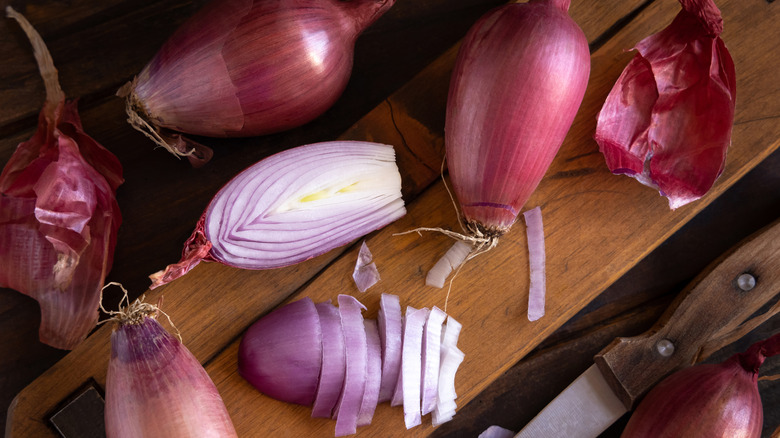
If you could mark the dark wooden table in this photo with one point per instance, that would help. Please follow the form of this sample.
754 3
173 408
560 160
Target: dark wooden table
99 45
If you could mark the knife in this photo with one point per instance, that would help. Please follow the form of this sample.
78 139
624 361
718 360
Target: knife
697 323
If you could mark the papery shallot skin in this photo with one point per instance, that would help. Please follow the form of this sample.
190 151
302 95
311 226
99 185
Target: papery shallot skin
243 68
59 216
667 121
156 387
518 82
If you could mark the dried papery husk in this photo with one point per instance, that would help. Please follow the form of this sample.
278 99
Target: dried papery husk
707 400
295 205
667 121
155 386
59 216
241 68
518 82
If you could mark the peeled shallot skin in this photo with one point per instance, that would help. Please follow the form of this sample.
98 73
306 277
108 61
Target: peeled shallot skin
667 121
59 216
518 82
156 387
242 68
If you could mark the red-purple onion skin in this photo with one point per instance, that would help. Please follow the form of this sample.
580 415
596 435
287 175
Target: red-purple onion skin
518 82
281 353
667 121
706 401
245 68
356 349
334 361
156 387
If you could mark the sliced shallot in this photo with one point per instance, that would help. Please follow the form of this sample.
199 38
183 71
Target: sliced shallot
281 353
431 358
334 361
295 205
349 403
453 258
390 322
411 364
373 373
536 261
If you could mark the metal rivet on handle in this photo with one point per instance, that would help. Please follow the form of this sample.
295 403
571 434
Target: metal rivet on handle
746 282
665 347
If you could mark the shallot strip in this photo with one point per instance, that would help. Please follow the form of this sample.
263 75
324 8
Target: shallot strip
390 322
373 373
349 404
411 366
453 258
334 361
536 261
431 358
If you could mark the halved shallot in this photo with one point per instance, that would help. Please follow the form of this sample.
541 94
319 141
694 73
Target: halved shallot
241 68
295 205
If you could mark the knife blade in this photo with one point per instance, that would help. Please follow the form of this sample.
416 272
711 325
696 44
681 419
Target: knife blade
726 294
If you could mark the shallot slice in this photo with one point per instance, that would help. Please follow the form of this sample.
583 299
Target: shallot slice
453 258
431 358
334 361
281 353
451 358
536 261
411 365
373 373
390 322
351 398
365 273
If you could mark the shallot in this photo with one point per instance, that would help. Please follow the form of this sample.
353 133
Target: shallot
518 81
667 121
155 386
58 213
347 375
707 400
242 68
295 205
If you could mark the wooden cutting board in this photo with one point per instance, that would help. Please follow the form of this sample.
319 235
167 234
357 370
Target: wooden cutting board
597 226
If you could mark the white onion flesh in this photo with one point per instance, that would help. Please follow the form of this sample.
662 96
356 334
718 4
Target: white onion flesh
411 365
390 322
453 258
536 261
431 359
451 358
349 403
496 432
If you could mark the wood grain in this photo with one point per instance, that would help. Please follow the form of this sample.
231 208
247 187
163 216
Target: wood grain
598 226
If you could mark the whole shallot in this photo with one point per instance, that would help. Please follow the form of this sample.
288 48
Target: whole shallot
242 68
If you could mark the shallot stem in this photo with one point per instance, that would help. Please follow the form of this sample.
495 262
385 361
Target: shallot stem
54 93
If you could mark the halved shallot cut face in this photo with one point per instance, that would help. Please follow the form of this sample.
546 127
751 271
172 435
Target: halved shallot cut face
295 205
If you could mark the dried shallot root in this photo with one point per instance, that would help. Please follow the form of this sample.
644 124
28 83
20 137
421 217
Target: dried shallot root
667 121
241 68
155 386
58 213
343 365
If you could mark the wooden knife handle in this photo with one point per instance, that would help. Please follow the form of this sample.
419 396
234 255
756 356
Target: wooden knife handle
715 303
